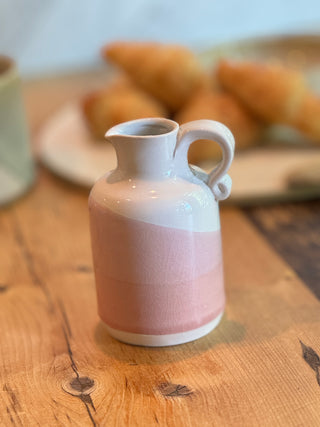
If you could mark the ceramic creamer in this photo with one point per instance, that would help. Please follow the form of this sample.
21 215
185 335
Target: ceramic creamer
155 233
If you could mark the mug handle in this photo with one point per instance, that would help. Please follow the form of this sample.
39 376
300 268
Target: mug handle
218 180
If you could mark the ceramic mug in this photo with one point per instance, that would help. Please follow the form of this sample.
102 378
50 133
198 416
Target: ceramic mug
16 165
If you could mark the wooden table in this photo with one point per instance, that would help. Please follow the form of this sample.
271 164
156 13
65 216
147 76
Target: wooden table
59 367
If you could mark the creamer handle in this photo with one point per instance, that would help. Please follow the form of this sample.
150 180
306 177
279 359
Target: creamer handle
217 179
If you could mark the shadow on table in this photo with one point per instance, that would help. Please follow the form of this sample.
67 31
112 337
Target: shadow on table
227 332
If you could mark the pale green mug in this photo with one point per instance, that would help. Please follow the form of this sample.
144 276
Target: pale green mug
16 163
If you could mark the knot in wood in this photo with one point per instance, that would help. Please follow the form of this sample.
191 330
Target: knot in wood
79 386
3 288
174 390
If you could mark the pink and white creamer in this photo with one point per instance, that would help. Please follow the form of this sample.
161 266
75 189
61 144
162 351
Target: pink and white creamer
155 233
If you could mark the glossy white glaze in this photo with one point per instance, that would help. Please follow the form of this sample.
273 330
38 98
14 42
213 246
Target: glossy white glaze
174 202
153 181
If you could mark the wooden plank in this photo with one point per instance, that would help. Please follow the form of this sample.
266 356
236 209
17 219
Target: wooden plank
294 231
60 367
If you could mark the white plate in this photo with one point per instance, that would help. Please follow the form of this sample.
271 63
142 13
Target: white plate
260 174
67 148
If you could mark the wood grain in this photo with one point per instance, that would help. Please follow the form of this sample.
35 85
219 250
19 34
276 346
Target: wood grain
60 367
294 231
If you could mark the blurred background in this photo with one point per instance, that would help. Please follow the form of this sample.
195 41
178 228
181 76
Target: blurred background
46 37
56 45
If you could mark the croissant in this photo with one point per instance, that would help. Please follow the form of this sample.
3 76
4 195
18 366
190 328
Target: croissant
168 72
272 92
224 108
119 102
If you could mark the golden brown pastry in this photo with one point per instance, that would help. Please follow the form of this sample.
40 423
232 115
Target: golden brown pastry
272 92
119 102
170 73
223 108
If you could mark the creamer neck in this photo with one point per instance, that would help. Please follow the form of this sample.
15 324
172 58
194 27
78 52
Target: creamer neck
144 147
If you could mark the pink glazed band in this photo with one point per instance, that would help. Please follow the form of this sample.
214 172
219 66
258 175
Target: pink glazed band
153 279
